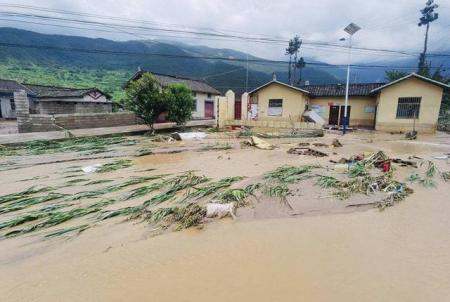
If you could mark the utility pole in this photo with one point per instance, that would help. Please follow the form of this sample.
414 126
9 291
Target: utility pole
351 29
428 16
246 75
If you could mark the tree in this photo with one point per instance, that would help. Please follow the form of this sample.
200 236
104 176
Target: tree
292 51
300 65
144 97
428 16
392 75
180 103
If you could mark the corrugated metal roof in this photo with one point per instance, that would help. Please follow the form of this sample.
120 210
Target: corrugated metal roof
193 84
360 89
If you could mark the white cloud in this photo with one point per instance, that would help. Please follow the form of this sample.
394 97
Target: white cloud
386 23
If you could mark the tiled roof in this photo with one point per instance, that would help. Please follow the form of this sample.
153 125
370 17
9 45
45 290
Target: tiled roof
413 75
11 86
279 83
60 92
361 89
193 84
42 91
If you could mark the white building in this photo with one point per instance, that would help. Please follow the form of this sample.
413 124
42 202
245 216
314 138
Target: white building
204 94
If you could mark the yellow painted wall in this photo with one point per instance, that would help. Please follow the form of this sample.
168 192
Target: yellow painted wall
358 116
429 106
293 102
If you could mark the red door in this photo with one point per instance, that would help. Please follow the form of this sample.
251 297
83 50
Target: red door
237 110
209 109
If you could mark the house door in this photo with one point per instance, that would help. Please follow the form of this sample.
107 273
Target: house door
237 110
334 115
209 109
341 119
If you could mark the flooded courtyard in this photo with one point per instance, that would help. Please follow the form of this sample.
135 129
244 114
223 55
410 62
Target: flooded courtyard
309 244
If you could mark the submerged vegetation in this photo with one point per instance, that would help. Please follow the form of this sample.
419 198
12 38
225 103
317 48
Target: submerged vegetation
115 165
92 145
172 201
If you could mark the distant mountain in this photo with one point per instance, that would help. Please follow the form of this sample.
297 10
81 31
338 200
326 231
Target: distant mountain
108 64
46 64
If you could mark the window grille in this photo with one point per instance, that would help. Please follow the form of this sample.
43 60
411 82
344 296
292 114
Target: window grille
408 108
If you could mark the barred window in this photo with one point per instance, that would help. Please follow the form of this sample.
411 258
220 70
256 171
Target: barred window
12 104
275 107
408 108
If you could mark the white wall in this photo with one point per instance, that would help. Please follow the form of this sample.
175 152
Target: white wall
88 98
7 112
200 104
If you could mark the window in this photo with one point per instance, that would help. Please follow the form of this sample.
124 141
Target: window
209 95
194 106
408 108
369 109
275 107
13 104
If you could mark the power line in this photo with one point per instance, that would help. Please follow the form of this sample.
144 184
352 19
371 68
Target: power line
217 35
178 56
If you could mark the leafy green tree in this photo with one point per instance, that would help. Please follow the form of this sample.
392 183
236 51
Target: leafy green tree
180 103
144 97
392 75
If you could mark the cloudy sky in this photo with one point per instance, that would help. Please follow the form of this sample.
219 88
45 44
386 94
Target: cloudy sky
388 24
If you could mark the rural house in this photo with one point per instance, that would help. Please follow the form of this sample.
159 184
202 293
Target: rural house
53 100
398 106
204 94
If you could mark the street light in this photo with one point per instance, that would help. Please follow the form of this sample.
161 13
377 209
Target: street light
351 29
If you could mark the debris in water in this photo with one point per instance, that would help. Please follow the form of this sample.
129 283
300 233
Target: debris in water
91 168
188 135
411 135
306 151
220 210
336 143
259 143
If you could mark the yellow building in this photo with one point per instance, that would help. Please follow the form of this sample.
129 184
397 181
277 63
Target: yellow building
410 102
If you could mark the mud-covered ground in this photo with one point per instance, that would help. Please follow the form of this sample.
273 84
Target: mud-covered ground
124 252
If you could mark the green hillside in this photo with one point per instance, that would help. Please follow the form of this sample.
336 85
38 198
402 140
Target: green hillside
108 71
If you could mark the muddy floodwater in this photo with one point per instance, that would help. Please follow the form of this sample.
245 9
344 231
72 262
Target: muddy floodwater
322 253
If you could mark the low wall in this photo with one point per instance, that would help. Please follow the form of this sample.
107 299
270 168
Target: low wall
43 122
406 127
272 124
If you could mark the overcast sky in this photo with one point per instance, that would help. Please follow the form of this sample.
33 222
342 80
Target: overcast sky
390 24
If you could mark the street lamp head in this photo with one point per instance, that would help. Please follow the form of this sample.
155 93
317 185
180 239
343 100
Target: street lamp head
352 28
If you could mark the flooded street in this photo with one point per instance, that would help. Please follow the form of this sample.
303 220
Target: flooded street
320 251
396 255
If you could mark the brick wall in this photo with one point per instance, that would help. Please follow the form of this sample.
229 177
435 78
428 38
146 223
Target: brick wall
64 107
43 122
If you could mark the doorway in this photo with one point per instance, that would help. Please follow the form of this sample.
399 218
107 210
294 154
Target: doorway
341 119
336 117
237 110
209 109
333 119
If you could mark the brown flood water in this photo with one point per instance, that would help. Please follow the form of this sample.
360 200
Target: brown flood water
401 254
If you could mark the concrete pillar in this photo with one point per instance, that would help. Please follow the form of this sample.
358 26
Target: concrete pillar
22 111
244 106
225 108
230 104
